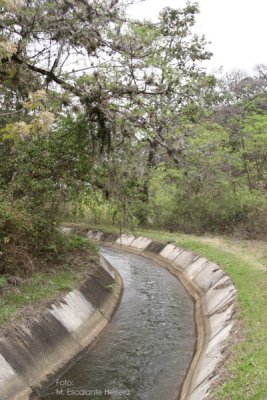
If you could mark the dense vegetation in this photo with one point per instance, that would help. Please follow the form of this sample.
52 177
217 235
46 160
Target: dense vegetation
117 119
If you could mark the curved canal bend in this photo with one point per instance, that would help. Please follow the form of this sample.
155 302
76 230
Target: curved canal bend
145 351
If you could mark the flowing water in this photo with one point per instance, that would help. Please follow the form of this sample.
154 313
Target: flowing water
145 351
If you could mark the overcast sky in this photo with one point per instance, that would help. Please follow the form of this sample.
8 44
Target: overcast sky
237 29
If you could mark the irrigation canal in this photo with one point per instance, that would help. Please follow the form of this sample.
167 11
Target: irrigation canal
145 351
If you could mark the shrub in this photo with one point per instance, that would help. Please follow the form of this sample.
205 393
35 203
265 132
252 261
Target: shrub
24 238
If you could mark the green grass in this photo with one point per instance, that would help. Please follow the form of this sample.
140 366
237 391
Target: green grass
79 242
100 227
46 285
246 375
39 287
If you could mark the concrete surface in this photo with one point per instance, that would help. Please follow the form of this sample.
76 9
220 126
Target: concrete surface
31 354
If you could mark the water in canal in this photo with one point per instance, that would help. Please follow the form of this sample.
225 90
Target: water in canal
145 351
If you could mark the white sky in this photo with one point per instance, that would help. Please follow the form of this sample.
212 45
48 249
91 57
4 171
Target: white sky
237 29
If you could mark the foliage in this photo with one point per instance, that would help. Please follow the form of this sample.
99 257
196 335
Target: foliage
78 242
25 237
38 177
219 184
116 116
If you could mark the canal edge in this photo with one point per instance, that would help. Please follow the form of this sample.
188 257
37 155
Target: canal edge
59 334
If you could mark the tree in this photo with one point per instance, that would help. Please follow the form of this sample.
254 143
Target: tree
83 90
126 64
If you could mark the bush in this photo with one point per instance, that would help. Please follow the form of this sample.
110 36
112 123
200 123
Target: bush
25 237
214 207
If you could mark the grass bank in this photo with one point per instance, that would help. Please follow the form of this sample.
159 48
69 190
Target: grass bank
25 297
245 262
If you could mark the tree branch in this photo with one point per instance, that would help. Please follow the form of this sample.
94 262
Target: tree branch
49 74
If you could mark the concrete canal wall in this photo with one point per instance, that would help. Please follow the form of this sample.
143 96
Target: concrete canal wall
32 353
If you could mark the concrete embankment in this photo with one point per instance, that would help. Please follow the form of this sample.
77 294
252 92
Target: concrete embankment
214 296
34 352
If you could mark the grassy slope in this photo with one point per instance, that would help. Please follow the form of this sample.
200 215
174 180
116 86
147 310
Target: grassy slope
49 284
245 262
